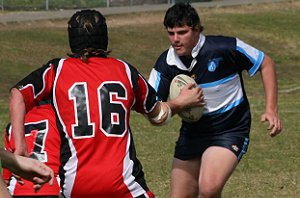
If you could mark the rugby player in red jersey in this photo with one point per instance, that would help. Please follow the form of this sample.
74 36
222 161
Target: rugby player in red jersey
93 95
43 144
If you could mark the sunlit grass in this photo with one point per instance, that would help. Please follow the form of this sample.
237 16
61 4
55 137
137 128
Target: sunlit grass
271 166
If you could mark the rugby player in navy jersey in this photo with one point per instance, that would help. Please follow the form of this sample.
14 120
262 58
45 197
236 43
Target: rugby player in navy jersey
208 151
93 95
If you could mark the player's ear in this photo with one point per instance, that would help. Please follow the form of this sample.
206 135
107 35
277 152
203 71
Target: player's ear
196 29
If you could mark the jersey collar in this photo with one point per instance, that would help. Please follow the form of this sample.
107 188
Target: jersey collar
174 60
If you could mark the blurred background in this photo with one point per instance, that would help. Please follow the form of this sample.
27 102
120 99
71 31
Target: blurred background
79 4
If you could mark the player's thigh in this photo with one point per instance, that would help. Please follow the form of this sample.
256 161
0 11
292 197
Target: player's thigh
217 164
184 178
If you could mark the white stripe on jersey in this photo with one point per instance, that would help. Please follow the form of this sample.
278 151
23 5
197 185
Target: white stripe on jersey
154 79
12 185
128 72
222 95
71 165
254 55
129 180
31 85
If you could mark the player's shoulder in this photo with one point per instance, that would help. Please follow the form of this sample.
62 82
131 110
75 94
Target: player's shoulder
220 42
219 38
161 61
54 61
132 68
163 56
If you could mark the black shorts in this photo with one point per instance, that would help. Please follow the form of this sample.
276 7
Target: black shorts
191 147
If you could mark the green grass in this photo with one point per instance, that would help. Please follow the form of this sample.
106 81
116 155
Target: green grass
271 166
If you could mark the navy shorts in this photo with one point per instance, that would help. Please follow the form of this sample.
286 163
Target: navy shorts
191 147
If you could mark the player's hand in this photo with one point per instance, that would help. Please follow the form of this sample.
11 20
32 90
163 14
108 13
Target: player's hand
275 125
32 170
191 95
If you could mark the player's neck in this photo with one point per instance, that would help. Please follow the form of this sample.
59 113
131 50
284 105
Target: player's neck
186 60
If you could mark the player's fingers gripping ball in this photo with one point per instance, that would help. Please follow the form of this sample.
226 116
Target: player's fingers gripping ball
190 114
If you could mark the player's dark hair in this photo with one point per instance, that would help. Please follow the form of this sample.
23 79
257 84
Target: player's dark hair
88 34
182 14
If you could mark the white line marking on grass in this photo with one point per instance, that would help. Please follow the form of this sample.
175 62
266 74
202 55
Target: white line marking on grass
281 111
289 90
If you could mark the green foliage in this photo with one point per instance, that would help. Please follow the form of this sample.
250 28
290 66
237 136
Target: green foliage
271 166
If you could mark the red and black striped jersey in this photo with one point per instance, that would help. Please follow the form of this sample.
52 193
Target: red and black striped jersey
93 102
43 143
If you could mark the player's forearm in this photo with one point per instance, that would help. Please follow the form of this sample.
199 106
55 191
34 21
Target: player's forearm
163 112
17 110
7 159
3 190
175 106
160 115
270 84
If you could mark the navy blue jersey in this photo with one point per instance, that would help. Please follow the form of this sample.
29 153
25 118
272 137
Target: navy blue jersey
217 64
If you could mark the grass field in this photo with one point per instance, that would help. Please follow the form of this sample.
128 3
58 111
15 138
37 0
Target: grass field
270 169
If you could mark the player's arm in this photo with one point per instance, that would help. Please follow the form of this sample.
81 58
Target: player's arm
190 96
269 79
27 168
6 174
17 110
25 94
3 190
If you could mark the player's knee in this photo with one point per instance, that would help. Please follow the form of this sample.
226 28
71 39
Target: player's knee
210 190
210 193
186 193
188 189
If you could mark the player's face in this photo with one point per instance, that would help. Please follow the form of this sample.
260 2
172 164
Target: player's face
183 39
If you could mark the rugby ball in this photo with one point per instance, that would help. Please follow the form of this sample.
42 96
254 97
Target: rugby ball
190 114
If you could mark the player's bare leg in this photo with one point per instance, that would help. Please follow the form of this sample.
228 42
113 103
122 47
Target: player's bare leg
217 165
184 178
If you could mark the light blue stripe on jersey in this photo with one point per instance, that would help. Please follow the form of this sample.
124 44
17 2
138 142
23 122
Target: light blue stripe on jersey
244 149
227 107
154 80
216 83
254 55
256 62
222 95
157 81
255 68
243 51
